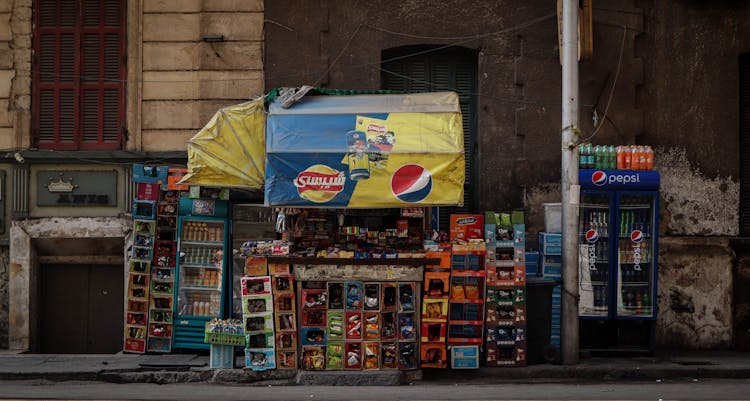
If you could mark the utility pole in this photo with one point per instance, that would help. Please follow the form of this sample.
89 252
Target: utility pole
570 187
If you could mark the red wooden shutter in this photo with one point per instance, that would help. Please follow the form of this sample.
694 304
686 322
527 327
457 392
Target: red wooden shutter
79 74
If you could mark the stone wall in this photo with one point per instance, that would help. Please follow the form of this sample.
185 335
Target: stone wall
186 77
15 73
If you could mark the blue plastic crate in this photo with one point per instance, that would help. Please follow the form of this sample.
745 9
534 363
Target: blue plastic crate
550 243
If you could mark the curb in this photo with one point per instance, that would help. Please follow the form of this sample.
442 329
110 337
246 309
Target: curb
389 378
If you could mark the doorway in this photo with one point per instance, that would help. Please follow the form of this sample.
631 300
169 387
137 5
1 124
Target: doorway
81 309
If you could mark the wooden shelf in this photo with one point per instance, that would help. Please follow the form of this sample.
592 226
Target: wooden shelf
346 261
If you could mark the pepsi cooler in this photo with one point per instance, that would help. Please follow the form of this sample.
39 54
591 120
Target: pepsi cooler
618 269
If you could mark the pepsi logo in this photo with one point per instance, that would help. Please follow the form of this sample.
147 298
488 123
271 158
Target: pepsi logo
636 236
599 178
411 183
592 236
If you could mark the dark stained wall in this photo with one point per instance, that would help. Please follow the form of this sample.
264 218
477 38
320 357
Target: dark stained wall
670 68
338 44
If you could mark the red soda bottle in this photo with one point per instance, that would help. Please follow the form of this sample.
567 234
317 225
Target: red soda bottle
635 158
642 158
620 158
627 157
649 158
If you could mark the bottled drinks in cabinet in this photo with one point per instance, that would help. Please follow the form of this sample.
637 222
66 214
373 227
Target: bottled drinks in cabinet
617 244
202 275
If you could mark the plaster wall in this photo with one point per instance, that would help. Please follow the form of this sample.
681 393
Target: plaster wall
695 295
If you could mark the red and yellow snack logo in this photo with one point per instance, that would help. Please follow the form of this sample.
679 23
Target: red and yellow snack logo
319 183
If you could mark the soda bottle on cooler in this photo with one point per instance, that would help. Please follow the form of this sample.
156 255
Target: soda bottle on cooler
635 158
642 157
597 157
582 156
620 163
649 158
626 157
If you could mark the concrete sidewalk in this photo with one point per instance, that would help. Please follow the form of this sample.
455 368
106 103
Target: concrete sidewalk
179 368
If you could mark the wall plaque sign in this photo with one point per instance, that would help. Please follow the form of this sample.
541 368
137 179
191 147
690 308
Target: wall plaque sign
76 188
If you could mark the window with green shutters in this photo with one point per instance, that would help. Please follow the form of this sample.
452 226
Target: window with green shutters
432 69
78 74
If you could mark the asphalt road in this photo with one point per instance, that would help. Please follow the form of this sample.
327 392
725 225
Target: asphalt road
665 390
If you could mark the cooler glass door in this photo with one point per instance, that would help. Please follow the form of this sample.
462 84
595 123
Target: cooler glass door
593 258
635 256
201 267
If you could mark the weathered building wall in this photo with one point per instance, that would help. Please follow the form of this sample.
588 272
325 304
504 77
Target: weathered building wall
4 264
741 294
339 45
15 73
695 295
665 72
692 203
23 276
187 78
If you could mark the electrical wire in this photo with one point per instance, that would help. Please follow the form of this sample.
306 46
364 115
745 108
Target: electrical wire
462 40
469 38
612 91
482 95
335 60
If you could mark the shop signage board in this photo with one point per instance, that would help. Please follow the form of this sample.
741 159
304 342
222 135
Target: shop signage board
365 151
76 188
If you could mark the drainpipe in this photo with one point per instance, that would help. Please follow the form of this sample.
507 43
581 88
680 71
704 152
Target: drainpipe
570 187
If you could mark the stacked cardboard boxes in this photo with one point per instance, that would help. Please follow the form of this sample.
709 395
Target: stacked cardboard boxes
550 246
505 339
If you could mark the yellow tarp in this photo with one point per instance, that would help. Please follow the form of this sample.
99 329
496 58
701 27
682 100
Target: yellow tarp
230 150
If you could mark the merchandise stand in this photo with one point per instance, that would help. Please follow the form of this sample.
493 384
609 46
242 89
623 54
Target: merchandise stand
364 319
282 282
161 306
433 352
141 257
505 342
257 313
466 307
